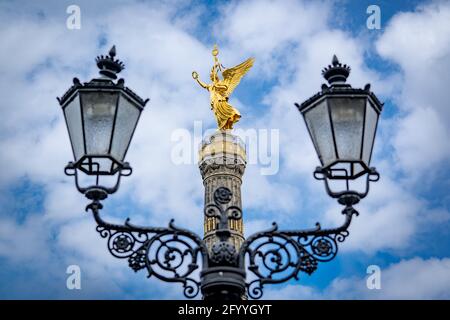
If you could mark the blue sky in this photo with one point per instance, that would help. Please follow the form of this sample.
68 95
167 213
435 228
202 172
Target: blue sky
403 225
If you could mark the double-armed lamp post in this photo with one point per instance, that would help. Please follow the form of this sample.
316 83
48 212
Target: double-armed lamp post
101 116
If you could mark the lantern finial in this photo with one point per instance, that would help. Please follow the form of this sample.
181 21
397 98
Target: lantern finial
336 73
109 66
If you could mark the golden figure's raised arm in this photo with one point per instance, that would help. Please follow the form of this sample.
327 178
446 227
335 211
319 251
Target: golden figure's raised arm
201 83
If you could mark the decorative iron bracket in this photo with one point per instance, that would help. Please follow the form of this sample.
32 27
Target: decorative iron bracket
172 254
276 256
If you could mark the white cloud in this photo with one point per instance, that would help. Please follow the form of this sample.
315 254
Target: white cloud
421 140
24 241
267 28
419 43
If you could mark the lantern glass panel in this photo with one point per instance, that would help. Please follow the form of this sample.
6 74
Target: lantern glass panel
318 122
347 115
72 113
369 132
98 113
126 121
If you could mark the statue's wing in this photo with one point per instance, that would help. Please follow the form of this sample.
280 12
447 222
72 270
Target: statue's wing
232 76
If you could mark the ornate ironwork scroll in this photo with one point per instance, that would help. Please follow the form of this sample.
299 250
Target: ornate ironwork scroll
277 256
171 254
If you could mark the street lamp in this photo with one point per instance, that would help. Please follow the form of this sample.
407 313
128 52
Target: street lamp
101 117
342 122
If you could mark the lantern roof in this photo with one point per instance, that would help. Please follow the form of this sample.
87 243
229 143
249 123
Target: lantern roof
109 67
336 74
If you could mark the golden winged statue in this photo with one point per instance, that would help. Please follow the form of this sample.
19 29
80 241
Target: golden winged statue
221 89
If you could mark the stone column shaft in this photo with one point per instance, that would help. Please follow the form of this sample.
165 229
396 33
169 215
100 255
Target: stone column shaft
222 161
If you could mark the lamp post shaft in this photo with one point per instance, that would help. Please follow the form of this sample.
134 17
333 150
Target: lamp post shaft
222 164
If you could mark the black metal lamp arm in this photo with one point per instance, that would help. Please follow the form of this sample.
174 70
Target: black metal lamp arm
171 254
275 256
